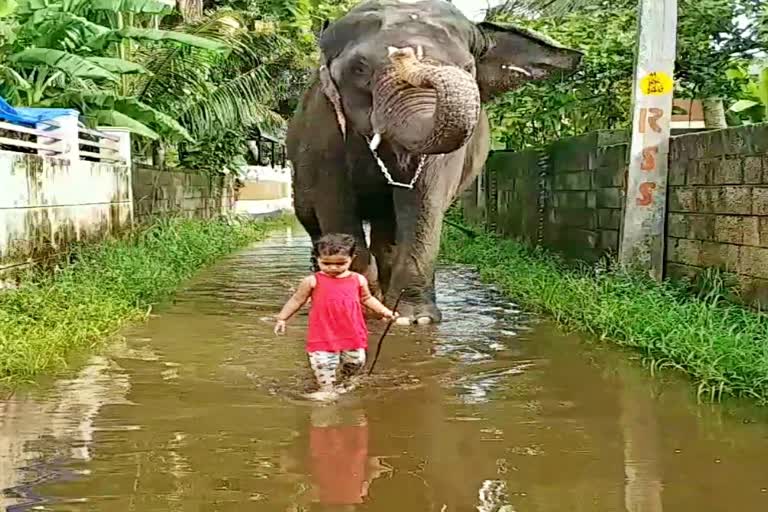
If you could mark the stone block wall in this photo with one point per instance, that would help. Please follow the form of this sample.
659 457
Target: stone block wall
569 197
512 194
718 207
584 195
180 192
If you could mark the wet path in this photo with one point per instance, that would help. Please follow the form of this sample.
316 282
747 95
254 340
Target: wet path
492 411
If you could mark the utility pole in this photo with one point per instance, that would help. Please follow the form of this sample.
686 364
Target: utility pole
642 242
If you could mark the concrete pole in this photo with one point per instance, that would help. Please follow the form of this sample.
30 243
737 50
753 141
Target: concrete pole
642 243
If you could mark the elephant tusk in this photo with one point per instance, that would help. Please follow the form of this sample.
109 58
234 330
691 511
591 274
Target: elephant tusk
518 69
375 141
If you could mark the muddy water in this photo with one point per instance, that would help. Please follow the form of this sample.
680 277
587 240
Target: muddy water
494 410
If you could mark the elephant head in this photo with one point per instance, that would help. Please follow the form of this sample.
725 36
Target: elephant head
414 72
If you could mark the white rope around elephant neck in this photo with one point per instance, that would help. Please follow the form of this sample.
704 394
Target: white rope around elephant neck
373 145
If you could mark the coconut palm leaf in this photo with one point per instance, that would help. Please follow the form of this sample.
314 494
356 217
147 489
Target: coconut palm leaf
242 101
179 64
549 7
72 65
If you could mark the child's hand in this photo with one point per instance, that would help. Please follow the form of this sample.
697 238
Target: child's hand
280 327
391 315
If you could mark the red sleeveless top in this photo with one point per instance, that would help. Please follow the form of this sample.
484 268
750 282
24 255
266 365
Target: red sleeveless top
336 320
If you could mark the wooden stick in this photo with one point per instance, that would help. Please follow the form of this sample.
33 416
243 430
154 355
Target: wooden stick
467 231
384 334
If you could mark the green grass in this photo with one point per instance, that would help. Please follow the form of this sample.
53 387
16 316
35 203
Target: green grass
54 315
722 346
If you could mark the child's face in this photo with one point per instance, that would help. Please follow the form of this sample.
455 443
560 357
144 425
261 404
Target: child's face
334 264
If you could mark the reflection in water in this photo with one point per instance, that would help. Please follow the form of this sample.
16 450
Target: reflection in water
65 417
339 465
491 411
639 427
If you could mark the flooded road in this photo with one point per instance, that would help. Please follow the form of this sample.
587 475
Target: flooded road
491 411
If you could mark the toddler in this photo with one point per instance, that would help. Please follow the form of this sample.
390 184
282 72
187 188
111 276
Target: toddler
337 334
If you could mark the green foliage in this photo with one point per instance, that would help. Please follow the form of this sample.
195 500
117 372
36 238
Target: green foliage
720 345
751 103
713 36
220 154
596 97
51 317
74 54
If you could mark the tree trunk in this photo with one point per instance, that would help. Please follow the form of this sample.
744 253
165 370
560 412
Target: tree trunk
190 9
714 113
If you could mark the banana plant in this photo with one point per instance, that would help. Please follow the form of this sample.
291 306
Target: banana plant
753 105
62 46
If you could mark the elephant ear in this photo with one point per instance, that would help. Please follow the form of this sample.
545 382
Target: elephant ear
512 56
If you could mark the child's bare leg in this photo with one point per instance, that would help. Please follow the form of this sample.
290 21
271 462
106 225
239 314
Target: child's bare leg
325 365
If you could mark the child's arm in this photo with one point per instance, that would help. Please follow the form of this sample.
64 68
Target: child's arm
372 302
295 303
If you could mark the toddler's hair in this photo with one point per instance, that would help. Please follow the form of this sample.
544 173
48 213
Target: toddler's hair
335 243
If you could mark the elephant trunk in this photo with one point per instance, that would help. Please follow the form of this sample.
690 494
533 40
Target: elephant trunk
425 107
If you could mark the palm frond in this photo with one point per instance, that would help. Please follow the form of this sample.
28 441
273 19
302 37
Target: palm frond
535 8
243 101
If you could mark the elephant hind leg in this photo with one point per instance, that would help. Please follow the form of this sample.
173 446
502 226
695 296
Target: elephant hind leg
309 221
383 249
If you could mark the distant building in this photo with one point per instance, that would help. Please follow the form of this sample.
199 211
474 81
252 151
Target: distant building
687 114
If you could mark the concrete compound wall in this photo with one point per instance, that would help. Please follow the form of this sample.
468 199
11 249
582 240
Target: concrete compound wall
47 203
569 197
180 192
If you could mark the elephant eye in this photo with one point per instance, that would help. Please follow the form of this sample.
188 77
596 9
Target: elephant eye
359 67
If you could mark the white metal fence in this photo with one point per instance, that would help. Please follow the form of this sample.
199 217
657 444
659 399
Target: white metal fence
65 139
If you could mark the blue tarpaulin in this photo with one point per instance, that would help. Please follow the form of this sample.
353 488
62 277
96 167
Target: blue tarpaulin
28 116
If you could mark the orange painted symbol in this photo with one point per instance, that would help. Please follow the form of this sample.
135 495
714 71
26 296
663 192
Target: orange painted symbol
646 194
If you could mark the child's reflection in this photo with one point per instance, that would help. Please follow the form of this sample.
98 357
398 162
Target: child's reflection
339 465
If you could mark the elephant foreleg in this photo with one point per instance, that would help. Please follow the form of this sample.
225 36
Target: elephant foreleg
419 226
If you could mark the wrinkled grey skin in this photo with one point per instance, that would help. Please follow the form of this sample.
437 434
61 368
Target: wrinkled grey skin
337 183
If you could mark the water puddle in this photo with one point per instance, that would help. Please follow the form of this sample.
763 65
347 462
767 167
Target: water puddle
492 411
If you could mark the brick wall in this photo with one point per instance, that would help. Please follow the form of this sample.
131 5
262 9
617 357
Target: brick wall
718 207
569 197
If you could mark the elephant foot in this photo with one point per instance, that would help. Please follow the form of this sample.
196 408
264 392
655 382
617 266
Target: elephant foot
420 314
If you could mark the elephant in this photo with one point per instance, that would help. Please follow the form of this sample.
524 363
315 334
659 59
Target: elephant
391 130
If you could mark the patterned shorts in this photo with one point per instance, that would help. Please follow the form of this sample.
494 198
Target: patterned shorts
326 365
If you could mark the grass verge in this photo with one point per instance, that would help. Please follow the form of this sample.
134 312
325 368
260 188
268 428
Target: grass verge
53 315
722 346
